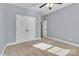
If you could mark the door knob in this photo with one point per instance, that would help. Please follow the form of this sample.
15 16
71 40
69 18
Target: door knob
26 30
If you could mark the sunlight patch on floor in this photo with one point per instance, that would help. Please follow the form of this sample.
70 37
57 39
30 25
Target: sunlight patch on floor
43 46
59 51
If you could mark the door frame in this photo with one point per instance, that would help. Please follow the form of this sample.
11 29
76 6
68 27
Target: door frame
34 27
43 25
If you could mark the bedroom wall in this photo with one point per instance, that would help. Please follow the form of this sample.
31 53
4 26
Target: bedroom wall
12 11
64 23
2 27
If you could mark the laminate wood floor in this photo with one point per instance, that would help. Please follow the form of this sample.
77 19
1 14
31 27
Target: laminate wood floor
26 48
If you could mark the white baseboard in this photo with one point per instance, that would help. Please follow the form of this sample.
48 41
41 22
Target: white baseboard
13 43
64 41
3 50
38 38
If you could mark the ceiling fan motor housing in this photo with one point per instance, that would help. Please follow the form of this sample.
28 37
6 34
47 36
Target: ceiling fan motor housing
50 8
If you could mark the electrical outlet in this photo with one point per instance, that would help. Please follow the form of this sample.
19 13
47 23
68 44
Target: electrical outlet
69 38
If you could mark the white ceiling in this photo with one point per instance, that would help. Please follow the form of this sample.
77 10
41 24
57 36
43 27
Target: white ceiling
44 10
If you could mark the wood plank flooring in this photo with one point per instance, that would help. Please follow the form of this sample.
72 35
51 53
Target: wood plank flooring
26 48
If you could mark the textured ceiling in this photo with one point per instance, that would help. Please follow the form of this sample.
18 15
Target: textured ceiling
44 10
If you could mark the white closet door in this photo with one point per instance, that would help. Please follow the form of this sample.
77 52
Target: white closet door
25 28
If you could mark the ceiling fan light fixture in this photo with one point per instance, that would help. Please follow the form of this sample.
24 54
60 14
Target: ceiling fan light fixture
49 4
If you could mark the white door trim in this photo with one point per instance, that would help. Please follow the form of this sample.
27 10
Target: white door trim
34 27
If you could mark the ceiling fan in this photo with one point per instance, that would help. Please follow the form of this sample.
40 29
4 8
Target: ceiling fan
49 5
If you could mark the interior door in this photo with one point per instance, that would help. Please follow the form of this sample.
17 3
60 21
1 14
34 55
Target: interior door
44 28
25 28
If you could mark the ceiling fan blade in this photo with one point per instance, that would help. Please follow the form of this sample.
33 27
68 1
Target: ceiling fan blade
58 3
42 5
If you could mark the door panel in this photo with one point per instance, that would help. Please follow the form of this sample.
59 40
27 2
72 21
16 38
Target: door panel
25 28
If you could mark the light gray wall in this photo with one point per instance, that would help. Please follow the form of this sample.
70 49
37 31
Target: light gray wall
2 27
64 23
12 11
